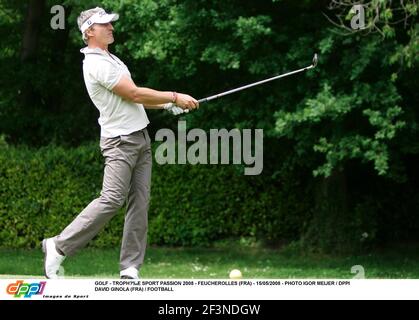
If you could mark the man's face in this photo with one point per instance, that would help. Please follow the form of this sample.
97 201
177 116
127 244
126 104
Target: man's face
102 33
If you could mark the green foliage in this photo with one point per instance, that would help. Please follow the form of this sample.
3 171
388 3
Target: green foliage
251 29
355 113
325 105
41 191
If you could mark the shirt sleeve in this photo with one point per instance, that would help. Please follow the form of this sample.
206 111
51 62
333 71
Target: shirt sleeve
106 74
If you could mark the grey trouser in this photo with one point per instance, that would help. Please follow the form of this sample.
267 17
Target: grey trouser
127 176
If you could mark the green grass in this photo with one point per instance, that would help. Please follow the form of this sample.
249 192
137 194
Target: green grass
188 263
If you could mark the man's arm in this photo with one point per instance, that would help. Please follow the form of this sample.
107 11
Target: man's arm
151 98
154 106
171 107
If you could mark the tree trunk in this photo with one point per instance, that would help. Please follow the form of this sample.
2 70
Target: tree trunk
328 227
59 44
31 30
28 57
332 193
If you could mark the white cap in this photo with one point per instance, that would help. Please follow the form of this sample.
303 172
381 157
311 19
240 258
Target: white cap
99 17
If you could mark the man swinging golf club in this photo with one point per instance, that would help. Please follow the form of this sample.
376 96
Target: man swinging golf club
125 146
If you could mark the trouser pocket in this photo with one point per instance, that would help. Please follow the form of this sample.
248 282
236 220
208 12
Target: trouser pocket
109 143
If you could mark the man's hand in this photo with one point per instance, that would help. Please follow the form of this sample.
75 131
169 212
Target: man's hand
186 101
174 109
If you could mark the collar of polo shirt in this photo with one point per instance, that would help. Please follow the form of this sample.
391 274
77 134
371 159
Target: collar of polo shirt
99 17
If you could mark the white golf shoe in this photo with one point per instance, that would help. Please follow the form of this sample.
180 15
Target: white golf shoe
52 259
129 273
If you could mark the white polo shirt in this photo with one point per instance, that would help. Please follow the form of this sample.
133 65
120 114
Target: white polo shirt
102 71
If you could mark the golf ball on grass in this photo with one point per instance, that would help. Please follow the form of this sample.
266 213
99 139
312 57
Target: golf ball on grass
235 274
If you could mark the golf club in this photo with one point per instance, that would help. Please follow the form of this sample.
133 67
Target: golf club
313 65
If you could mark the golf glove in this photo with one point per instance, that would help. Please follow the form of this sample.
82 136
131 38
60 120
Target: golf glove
174 109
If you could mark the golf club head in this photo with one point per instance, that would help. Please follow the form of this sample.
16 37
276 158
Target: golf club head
315 60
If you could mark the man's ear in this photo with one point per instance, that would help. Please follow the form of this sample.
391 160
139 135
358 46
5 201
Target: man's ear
89 32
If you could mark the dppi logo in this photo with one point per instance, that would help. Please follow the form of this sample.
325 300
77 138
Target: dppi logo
27 290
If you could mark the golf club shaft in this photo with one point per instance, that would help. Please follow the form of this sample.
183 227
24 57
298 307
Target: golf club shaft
253 84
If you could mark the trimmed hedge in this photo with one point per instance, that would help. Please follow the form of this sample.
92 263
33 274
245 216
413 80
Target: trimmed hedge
42 190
